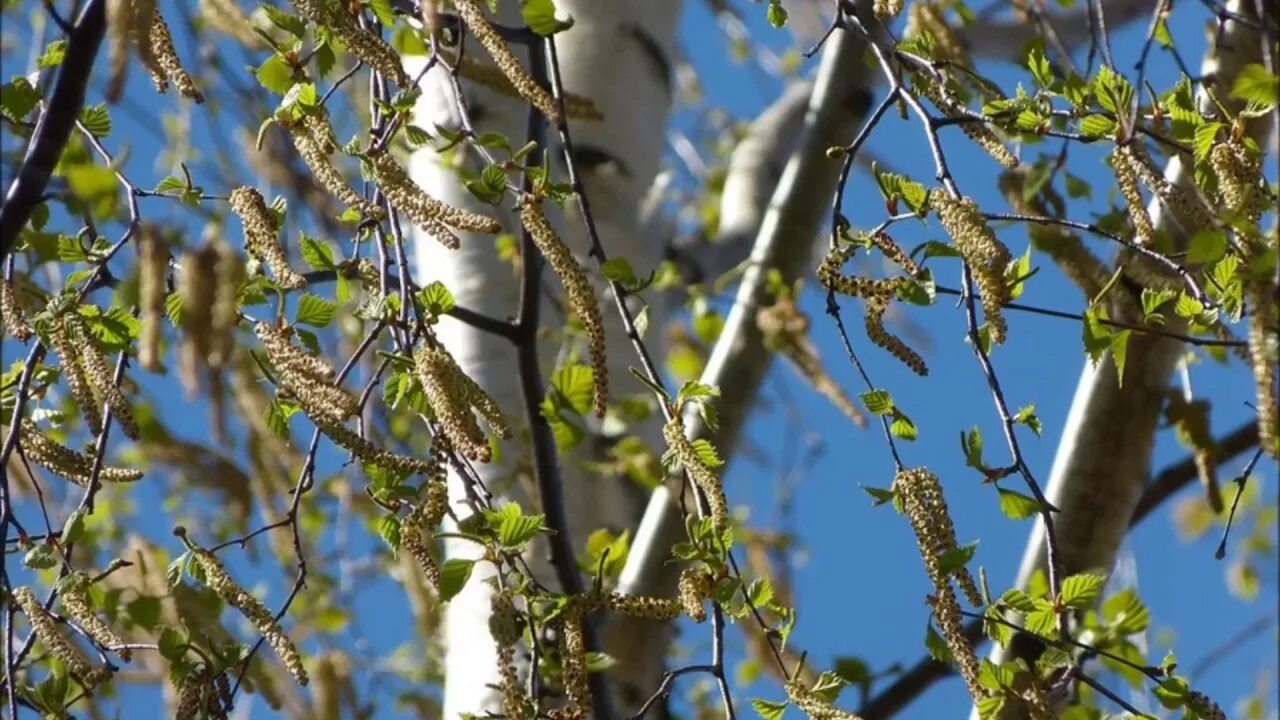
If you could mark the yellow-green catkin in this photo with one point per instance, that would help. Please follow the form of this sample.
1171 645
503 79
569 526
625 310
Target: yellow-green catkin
309 378
1183 201
74 371
695 586
482 73
11 312
456 399
153 266
373 50
232 593
926 17
814 705
926 509
418 526
976 130
885 10
699 472
166 65
76 605
203 695
424 210
119 38
581 296
1122 165
312 136
197 290
67 463
260 236
641 606
785 329
1239 171
988 258
228 18
876 294
574 655
365 450
472 13
56 642
101 377
894 252
229 273
505 627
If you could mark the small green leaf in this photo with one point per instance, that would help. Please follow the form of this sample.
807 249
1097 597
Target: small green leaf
1080 591
1097 126
878 402
540 16
618 269
436 298
776 14
768 709
1255 84
316 254
96 120
40 557
514 527
53 54
971 444
575 383
73 528
1126 612
953 560
902 427
1027 416
1017 506
1207 246
936 646
315 311
275 75
454 576
880 496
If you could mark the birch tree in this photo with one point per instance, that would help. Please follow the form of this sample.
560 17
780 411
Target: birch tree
475 323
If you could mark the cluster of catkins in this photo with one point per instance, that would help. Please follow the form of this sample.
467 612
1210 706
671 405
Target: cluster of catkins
313 137
76 605
138 23
786 331
926 509
261 233
232 593
203 695
702 475
877 294
425 211
55 640
987 257
472 13
61 460
581 296
456 400
492 77
11 313
974 129
369 48
89 376
310 380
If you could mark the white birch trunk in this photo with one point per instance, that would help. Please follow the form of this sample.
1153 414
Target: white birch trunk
616 54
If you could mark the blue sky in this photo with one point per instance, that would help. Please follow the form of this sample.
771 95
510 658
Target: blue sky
859 581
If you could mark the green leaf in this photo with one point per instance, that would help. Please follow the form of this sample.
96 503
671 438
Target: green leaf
53 54
291 24
315 311
40 557
1113 91
73 528
540 16
1018 600
1120 352
971 445
436 298
1207 246
96 120
706 453
880 496
1042 621
1126 612
316 254
454 576
576 385
1255 84
760 592
144 610
1173 692
1097 126
935 645
382 10
1027 416
768 709
18 97
1017 506
618 269
514 527
1096 335
1080 591
1076 187
953 560
878 402
1038 64
776 14
275 75
902 427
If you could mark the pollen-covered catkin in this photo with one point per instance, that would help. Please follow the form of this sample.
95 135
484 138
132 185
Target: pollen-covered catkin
308 378
101 377
76 605
1204 706
422 209
225 315
260 236
453 396
153 265
119 37
1239 170
373 50
473 14
1181 200
1127 183
56 642
886 9
976 130
574 649
311 136
140 17
653 608
876 294
71 465
702 475
1264 340
421 521
167 62
695 586
11 312
987 257
74 372
365 450
581 296
482 73
197 290
504 626
814 705
231 592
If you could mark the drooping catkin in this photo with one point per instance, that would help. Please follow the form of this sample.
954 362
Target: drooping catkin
1204 706
260 236
72 369
101 377
229 273
876 294
11 312
371 49
365 450
695 586
1182 200
196 695
63 461
642 606
987 257
504 626
197 291
482 73
1239 171
785 329
76 605
927 17
1263 324
581 297
699 472
232 593
166 64
976 130
894 252
56 642
574 662
1127 182
814 705
472 13
456 399
422 209
311 136
228 18
119 37
153 266
419 525
308 378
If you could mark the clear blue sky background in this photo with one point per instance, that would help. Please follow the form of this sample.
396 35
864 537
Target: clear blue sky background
860 586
